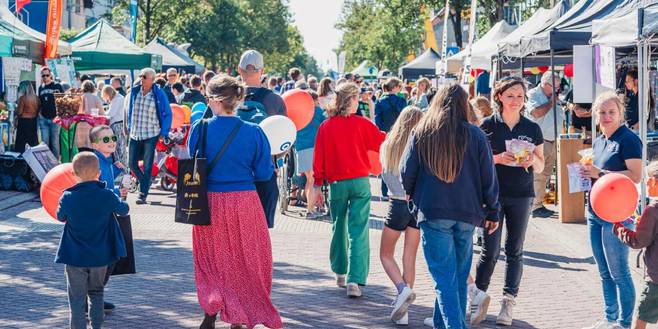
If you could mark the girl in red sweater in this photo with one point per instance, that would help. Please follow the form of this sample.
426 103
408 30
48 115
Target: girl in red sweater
341 159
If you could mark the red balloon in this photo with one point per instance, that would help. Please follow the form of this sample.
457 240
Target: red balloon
300 107
543 69
375 163
568 70
614 197
177 116
56 181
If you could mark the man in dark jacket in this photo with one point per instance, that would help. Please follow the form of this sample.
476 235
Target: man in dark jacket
149 117
387 110
194 95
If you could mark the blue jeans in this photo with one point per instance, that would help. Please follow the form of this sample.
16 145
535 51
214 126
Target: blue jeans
611 257
82 282
50 134
448 248
142 150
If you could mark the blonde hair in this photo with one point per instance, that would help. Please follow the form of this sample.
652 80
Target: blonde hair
344 94
396 141
227 89
483 106
108 92
652 169
424 81
85 165
604 98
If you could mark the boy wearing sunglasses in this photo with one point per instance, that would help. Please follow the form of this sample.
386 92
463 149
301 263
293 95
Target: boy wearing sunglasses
104 144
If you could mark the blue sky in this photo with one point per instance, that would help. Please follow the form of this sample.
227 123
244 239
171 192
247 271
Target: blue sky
315 19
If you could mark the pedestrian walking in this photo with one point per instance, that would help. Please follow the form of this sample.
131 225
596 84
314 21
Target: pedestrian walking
515 179
233 255
449 157
47 110
341 159
399 218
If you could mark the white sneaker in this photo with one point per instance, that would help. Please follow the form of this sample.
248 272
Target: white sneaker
479 306
340 280
401 303
404 320
429 322
506 310
353 290
604 324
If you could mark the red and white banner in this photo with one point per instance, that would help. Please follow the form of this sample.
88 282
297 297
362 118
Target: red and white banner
53 27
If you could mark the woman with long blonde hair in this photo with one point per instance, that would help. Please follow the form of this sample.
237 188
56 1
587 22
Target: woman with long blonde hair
341 159
399 218
26 113
448 175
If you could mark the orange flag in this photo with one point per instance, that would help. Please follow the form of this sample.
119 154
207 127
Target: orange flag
52 27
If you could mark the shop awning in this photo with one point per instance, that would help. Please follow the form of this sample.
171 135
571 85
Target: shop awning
482 50
101 47
172 57
574 28
626 28
423 65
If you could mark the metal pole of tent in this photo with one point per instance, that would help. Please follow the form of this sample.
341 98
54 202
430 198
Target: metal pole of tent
593 120
522 66
643 100
554 109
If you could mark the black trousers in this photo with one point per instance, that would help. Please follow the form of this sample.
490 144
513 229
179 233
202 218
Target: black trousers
515 213
268 192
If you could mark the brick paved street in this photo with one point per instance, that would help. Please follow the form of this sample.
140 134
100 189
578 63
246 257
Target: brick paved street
560 287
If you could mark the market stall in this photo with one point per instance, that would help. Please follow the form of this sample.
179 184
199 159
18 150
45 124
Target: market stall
101 47
423 65
366 70
173 57
482 50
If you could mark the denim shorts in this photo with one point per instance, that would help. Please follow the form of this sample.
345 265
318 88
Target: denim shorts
648 308
399 217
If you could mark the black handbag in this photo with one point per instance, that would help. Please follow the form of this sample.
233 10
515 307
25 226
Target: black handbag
125 265
192 186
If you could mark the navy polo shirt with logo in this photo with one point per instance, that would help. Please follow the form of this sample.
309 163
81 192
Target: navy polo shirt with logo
513 181
611 153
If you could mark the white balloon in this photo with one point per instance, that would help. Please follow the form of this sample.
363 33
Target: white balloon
280 131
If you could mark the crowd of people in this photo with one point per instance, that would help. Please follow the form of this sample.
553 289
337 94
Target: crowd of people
447 174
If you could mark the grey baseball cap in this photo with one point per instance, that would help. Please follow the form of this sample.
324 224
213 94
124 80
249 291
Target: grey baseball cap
251 58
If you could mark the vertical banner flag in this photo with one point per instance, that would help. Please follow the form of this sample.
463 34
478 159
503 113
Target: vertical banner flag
53 26
20 4
471 39
133 20
443 68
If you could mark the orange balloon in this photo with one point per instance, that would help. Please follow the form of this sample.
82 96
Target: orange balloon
56 181
300 107
177 116
614 197
375 163
188 114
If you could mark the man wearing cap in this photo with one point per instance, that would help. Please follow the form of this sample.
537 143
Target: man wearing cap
149 117
251 69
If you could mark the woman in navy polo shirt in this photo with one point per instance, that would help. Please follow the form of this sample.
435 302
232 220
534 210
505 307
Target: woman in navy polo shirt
618 150
515 197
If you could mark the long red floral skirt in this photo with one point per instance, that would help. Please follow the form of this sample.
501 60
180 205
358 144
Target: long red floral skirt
233 261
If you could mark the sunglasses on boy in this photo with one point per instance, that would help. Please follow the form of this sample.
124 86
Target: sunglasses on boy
106 139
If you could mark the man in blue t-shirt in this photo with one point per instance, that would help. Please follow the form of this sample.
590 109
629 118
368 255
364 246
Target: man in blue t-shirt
251 69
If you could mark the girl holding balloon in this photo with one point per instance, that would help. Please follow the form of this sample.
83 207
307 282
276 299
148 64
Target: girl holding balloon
341 158
617 150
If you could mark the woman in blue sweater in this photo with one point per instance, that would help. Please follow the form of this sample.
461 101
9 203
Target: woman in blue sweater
233 255
465 180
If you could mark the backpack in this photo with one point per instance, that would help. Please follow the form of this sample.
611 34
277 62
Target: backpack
253 110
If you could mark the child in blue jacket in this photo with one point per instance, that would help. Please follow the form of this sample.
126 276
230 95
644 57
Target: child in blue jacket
91 239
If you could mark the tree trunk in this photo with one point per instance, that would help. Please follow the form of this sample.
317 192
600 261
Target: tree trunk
147 25
456 21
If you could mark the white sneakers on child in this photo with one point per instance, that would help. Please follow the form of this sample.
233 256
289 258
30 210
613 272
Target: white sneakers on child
401 303
353 290
479 305
605 324
404 320
506 310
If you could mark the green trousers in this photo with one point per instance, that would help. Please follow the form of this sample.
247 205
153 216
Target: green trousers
350 246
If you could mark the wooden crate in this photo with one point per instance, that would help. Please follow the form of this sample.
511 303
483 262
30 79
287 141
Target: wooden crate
571 206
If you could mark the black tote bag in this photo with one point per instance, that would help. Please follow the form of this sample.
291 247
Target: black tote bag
192 185
125 265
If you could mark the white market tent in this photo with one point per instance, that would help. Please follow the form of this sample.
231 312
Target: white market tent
482 50
366 70
63 48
